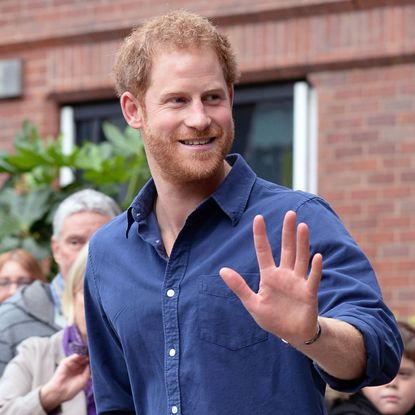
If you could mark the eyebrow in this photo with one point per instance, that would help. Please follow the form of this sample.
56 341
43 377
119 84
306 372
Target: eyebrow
215 89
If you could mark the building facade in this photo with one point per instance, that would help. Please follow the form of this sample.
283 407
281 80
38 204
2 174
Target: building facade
350 65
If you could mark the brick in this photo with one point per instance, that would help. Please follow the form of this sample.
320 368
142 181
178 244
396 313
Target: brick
381 178
382 119
408 236
408 176
395 251
395 221
407 146
362 194
382 237
407 295
346 152
407 118
382 148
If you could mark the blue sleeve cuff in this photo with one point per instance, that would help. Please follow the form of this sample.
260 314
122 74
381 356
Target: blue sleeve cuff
382 363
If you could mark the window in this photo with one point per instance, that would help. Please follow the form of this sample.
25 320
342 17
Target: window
264 130
89 118
274 130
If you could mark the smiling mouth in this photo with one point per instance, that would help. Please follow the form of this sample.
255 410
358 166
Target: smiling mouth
198 141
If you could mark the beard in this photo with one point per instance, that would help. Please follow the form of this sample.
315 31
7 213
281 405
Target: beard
169 158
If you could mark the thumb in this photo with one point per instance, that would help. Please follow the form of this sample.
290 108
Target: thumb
238 285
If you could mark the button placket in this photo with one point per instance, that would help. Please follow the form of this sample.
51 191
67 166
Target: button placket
174 274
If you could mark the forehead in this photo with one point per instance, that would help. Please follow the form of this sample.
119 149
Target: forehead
407 363
82 223
184 66
12 269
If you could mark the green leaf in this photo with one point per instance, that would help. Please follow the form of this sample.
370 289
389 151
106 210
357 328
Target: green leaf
37 249
114 135
34 205
6 167
8 243
9 225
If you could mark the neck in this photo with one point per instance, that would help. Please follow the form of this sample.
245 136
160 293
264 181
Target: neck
176 201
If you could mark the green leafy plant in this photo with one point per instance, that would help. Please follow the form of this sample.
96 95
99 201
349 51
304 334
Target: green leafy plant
30 195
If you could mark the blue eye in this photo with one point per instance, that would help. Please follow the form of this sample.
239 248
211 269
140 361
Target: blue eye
178 100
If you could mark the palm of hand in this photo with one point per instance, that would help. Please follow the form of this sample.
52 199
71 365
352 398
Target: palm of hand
286 302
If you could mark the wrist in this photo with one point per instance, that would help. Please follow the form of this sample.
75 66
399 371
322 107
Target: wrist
316 335
49 397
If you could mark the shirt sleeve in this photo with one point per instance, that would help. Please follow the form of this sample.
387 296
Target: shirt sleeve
16 393
112 391
349 291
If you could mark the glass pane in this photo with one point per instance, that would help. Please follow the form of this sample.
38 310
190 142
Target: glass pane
264 135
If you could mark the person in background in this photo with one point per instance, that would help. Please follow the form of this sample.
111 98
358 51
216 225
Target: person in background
190 307
394 398
50 375
17 268
35 310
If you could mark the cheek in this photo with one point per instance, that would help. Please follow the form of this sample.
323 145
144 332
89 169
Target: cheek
3 296
65 261
69 255
408 389
163 122
223 116
373 392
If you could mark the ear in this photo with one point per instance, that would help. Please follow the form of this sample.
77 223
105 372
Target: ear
231 94
55 250
131 110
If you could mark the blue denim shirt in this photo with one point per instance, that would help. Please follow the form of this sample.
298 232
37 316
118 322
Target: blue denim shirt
166 334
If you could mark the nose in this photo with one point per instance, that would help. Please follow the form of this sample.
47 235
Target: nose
393 383
197 117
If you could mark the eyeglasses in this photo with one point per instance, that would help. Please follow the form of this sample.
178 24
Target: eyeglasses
6 283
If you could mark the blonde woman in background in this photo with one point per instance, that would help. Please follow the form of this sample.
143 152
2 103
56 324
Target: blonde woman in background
17 267
50 375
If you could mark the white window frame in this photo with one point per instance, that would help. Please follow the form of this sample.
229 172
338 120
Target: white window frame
66 175
305 138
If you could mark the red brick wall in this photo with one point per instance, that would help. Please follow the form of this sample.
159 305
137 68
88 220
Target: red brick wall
358 54
367 169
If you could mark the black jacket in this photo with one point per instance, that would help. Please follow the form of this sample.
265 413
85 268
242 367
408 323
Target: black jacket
356 405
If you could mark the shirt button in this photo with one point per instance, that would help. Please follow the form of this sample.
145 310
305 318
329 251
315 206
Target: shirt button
172 352
174 409
170 293
157 241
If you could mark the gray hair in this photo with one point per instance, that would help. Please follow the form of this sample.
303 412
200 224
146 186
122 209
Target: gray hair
87 200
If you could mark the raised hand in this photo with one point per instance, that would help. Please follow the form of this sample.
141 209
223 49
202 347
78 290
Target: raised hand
286 303
70 377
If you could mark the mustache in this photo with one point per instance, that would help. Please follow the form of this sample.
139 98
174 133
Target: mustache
211 131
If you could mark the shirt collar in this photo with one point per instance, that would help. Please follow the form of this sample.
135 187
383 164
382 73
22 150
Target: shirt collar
231 196
233 193
142 205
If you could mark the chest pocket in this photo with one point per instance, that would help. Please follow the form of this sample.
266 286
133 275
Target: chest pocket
223 320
